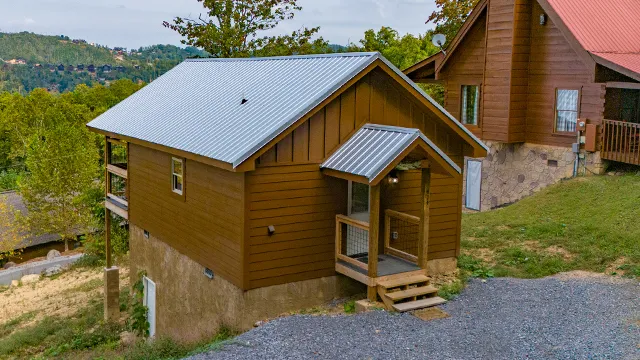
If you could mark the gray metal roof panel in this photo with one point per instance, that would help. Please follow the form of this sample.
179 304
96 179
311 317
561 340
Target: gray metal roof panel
196 106
373 147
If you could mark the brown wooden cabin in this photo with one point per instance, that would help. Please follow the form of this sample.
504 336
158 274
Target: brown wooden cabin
529 72
272 171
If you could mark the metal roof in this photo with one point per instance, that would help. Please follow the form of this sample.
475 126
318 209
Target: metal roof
372 148
608 29
13 200
197 106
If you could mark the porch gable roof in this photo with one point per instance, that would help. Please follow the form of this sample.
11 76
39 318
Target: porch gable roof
375 148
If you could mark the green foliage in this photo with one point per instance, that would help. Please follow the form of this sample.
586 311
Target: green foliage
581 224
450 16
138 322
238 28
402 51
8 327
474 267
350 307
451 290
9 179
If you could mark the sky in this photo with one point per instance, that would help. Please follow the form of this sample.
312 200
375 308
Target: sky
135 23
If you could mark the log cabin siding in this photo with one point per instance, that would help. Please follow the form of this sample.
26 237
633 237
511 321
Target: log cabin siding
206 225
466 67
554 64
289 191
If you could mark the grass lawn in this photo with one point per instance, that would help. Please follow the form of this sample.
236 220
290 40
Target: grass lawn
590 223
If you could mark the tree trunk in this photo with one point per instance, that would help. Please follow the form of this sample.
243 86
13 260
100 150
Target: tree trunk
66 245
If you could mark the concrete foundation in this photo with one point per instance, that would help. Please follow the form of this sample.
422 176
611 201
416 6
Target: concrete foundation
441 266
511 172
112 294
191 307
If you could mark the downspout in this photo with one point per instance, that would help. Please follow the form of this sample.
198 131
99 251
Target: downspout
576 150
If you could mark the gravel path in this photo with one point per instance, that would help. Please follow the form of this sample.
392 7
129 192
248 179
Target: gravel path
551 318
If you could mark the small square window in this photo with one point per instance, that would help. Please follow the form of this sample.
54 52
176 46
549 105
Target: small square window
177 176
567 110
470 104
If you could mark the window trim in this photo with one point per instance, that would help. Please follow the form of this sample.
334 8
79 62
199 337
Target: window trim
180 193
479 116
555 110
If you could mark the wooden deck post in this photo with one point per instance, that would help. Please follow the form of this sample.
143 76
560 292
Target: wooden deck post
374 229
423 240
107 190
111 273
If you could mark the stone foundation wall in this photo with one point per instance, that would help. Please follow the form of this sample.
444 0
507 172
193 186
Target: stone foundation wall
511 172
191 307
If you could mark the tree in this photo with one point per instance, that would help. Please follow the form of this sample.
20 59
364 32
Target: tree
235 28
63 165
450 15
12 234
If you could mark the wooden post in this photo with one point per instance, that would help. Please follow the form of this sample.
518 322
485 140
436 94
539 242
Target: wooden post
423 239
107 190
374 229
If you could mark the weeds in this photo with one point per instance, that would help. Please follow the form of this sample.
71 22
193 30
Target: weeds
350 307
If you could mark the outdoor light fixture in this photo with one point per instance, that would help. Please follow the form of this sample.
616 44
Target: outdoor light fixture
543 19
393 178
271 229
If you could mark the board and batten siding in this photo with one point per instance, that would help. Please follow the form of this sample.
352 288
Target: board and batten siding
206 225
287 189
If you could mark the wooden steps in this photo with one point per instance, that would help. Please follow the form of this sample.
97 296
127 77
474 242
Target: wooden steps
419 304
413 292
408 293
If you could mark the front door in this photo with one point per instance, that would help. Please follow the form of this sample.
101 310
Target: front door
358 239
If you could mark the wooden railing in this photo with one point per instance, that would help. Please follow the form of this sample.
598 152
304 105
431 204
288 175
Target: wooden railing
346 226
401 235
621 141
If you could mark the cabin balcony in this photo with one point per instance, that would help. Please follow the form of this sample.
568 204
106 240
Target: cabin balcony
116 181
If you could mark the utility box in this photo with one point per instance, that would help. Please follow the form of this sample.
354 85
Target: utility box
590 137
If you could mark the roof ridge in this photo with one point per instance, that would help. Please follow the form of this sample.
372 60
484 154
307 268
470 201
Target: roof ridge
288 57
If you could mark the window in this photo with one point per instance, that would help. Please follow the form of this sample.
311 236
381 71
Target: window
567 110
630 101
470 104
149 300
177 175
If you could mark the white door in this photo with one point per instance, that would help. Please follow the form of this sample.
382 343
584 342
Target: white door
358 209
474 182
150 302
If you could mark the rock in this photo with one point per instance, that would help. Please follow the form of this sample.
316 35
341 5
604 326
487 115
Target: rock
52 254
15 283
29 279
57 269
638 173
619 173
9 265
611 173
259 323
127 338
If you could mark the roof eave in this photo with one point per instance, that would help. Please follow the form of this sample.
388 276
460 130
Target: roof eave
616 67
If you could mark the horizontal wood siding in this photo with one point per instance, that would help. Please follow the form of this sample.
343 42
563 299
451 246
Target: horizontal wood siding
519 82
466 67
206 225
497 86
445 197
554 64
301 203
288 190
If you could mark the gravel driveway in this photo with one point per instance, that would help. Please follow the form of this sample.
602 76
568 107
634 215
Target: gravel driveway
552 318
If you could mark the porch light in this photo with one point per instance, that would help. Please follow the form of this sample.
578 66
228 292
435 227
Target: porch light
393 178
543 19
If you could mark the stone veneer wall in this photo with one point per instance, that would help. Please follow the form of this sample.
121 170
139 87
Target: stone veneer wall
511 172
191 307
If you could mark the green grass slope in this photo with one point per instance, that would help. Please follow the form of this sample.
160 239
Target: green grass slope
583 224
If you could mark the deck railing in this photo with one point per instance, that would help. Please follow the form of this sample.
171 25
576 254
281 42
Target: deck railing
401 235
621 141
352 241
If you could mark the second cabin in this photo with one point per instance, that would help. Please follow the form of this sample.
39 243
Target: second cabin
259 186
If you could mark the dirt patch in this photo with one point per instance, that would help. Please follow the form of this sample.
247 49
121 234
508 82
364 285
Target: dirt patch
503 227
430 314
590 276
62 295
446 278
557 250
614 266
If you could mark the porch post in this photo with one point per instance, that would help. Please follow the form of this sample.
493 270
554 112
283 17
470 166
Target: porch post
374 229
111 273
423 241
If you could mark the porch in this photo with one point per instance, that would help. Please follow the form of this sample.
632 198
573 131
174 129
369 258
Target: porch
620 135
382 248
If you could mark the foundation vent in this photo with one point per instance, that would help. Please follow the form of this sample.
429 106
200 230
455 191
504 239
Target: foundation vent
552 163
